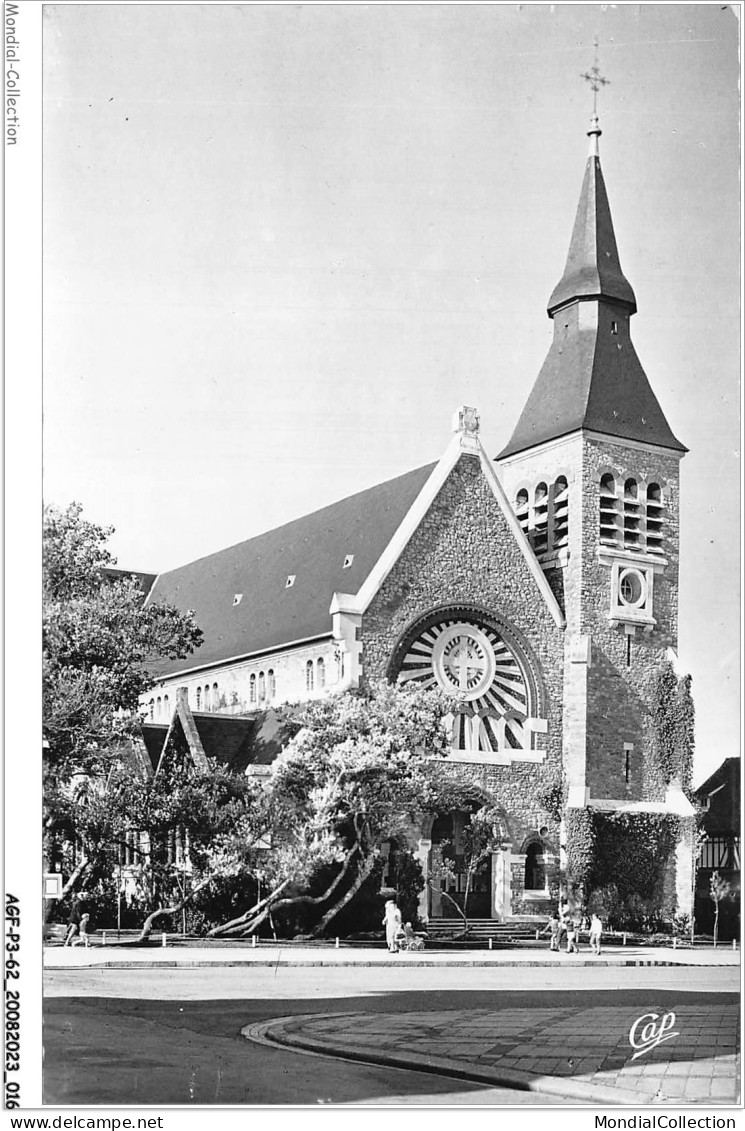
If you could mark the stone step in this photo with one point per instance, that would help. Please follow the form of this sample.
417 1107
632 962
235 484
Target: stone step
485 928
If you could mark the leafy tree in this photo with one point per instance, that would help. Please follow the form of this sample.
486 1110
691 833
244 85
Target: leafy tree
350 778
719 889
100 641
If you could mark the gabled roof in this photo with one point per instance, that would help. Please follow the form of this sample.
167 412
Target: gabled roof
144 580
235 741
593 269
241 598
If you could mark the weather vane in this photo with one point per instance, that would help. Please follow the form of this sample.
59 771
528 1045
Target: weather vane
595 79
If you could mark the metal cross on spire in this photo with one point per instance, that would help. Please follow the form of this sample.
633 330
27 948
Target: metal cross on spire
595 79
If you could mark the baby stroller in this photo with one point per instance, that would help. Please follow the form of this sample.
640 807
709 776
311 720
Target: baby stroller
407 940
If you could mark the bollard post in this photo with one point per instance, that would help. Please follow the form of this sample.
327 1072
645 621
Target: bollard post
675 942
253 940
734 944
163 939
104 939
624 938
537 934
336 943
490 943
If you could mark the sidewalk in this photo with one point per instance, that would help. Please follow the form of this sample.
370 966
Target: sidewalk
269 954
583 1055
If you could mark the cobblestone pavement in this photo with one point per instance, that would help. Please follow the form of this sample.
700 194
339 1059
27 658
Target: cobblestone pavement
579 1053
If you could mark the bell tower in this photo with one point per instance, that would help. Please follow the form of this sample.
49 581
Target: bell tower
592 472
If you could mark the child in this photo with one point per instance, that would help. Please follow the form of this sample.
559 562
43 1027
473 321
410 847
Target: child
82 939
571 928
596 930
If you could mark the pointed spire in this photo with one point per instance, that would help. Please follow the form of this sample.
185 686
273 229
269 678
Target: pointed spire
592 378
593 269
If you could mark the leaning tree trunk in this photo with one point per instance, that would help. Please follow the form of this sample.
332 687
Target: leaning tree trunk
69 886
359 880
249 921
446 895
244 924
716 923
147 926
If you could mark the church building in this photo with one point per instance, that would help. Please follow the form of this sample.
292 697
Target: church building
540 587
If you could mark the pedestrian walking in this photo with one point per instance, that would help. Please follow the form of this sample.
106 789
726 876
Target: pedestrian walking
73 923
571 929
562 931
82 936
596 930
552 929
392 924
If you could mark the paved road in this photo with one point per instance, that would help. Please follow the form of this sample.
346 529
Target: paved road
173 1036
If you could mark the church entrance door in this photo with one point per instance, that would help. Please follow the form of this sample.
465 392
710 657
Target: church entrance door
451 865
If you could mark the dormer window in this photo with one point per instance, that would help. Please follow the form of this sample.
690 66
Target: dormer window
237 599
348 561
290 581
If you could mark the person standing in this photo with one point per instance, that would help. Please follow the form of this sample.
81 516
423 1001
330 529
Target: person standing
552 929
571 929
596 930
392 924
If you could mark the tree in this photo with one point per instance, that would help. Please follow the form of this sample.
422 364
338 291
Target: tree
719 889
100 642
351 777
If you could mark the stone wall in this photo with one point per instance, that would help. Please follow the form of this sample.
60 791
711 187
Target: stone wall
464 551
620 680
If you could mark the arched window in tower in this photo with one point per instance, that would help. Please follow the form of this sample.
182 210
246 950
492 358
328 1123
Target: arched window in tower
560 534
262 687
535 870
199 698
632 516
271 685
655 509
522 510
252 688
309 676
539 532
321 672
609 526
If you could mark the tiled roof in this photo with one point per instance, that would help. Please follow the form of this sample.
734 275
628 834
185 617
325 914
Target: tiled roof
588 382
144 580
235 741
592 379
241 598
593 268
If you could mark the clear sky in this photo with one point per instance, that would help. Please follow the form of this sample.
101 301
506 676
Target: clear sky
284 242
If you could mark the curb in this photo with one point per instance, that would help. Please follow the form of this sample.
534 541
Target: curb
187 963
276 1032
